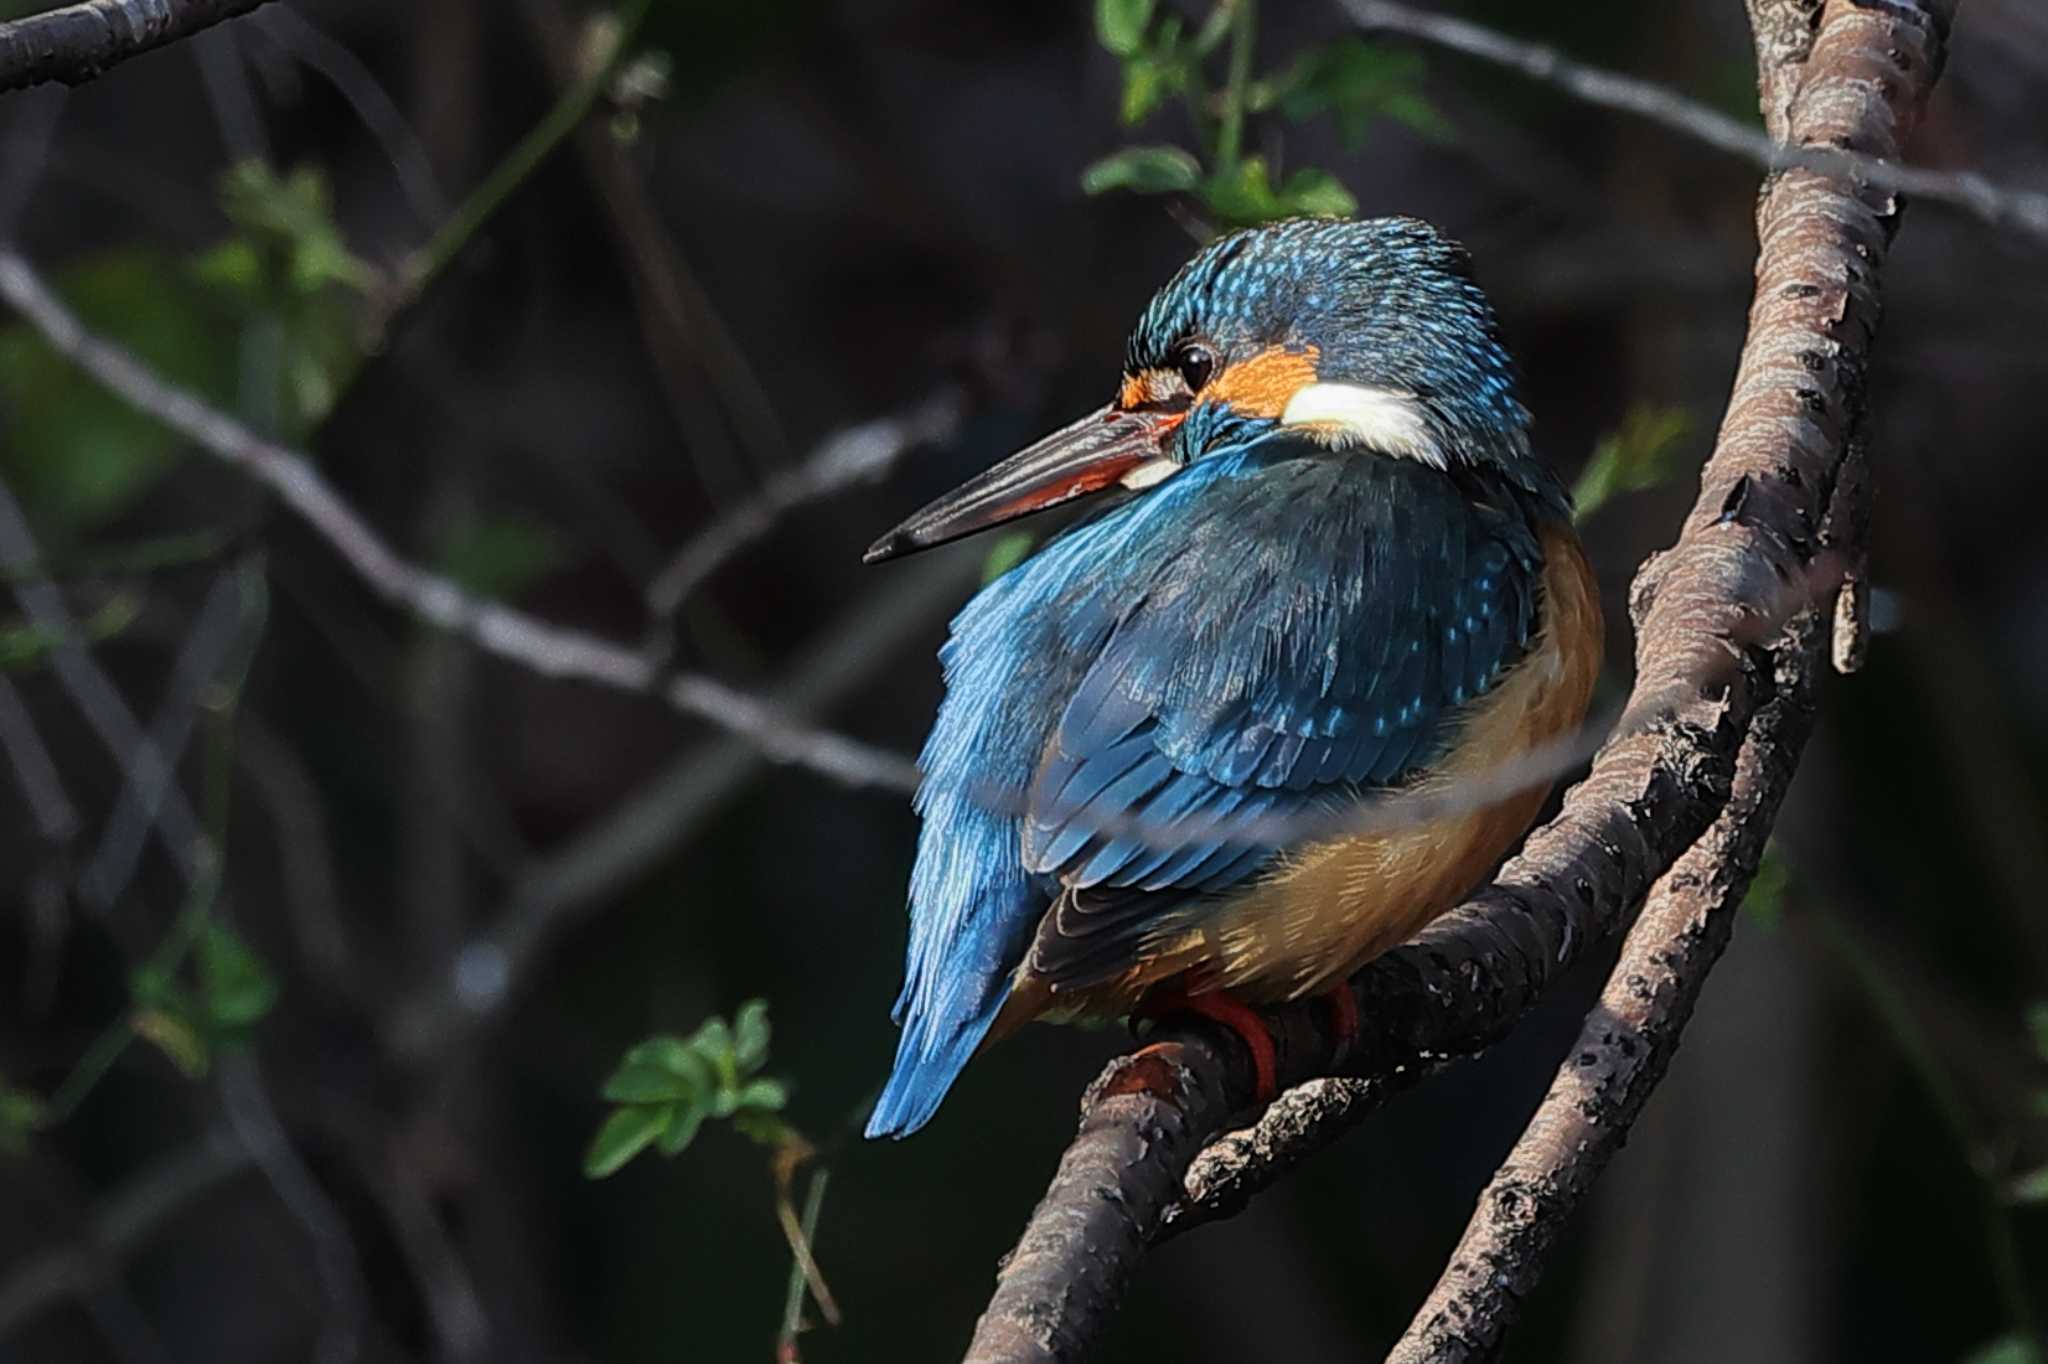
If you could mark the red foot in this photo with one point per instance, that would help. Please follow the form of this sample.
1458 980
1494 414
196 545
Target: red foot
1241 1019
1343 1021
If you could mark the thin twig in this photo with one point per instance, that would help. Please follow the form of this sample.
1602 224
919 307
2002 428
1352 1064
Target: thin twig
310 45
858 454
568 113
695 356
1969 191
213 638
123 1224
79 42
494 969
551 650
255 1124
94 692
55 816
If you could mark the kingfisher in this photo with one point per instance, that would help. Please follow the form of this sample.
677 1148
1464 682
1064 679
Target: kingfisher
1329 569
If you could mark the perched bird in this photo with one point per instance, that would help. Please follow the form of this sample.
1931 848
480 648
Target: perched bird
1337 571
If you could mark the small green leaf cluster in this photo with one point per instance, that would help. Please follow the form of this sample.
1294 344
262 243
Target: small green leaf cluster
231 991
288 265
1640 454
1353 81
667 1086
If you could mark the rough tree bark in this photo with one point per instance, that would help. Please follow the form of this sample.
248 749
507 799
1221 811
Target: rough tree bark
78 42
1727 646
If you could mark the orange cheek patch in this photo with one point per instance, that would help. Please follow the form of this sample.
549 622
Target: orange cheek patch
1263 385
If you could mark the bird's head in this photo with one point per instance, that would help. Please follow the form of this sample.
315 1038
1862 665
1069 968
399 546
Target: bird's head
1366 338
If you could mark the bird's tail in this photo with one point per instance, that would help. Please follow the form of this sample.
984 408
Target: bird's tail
929 1057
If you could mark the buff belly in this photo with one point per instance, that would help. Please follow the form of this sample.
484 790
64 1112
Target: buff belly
1328 908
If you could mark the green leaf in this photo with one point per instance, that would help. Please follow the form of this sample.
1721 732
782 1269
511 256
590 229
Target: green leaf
681 1129
1148 83
1640 454
2012 1349
764 1095
1009 550
1143 170
1120 25
763 1127
625 1134
1319 193
750 1034
502 556
633 1084
2037 1024
1243 196
237 988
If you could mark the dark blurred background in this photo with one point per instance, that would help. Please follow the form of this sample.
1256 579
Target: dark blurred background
473 887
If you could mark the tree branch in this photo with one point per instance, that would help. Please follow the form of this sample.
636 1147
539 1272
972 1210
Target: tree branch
1702 610
1998 205
551 650
75 44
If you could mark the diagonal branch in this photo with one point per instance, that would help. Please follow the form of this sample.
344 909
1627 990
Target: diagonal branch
551 650
1651 793
78 42
1967 191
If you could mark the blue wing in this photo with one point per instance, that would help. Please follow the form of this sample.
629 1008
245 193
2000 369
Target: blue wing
1343 611
1271 629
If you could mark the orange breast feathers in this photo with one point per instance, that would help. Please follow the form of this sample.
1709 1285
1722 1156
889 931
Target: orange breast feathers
1328 908
1331 907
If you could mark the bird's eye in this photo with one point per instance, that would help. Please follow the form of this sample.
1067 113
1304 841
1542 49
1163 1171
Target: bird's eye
1196 363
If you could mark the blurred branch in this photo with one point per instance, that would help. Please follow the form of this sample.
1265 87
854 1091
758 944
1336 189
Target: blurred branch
310 45
1783 458
142 763
2023 210
550 650
857 454
55 816
280 784
683 330
79 42
255 1124
206 651
495 967
123 1224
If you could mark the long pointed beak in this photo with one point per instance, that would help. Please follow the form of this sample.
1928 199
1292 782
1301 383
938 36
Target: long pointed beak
1103 449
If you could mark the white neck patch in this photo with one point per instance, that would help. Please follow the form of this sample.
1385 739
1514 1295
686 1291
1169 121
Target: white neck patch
1383 419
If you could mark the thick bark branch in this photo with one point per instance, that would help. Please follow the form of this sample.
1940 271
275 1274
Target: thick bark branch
75 44
1750 554
1624 1047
